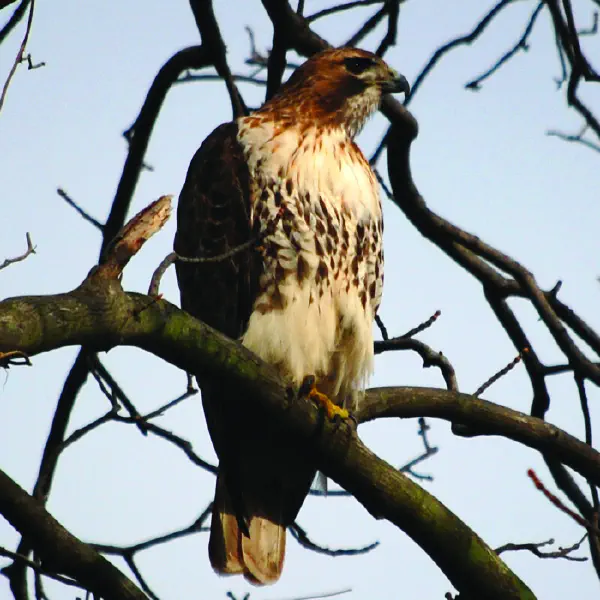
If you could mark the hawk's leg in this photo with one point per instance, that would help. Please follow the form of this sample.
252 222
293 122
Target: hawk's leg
309 387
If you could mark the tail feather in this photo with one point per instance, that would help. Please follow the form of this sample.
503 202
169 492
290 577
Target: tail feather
259 555
264 550
224 548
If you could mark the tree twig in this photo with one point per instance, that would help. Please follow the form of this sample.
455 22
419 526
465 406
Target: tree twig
428 452
332 10
556 500
300 535
535 548
86 217
30 250
501 373
577 138
430 357
475 84
38 568
19 57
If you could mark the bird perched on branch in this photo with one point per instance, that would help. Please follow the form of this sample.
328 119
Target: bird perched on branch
303 297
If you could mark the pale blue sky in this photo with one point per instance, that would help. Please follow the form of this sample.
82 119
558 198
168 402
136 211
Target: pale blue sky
482 160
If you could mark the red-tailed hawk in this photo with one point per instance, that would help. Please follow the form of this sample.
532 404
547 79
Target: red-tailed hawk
303 298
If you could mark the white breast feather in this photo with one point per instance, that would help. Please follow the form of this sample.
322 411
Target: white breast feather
322 327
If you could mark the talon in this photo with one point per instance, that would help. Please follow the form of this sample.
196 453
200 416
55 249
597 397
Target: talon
333 411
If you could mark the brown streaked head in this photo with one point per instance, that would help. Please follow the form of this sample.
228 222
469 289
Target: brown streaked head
339 86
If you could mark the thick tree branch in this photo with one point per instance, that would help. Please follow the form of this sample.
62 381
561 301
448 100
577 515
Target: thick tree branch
213 42
15 17
298 34
276 64
483 418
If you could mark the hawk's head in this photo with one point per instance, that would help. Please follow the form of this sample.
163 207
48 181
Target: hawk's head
339 86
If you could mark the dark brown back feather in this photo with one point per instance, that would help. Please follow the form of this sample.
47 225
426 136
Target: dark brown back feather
213 217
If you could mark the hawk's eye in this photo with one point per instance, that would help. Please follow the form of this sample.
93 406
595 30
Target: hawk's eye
358 64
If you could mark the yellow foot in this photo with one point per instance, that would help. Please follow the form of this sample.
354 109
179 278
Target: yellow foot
333 410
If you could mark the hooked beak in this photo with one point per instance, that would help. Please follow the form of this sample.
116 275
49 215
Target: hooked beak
395 84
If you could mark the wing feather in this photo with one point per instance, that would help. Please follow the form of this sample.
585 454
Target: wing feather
212 219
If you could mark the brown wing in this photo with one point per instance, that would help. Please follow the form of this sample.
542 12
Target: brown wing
213 217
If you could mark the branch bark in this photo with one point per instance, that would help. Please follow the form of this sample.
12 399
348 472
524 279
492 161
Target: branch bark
482 418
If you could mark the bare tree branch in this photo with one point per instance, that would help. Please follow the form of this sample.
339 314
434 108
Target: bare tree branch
368 26
73 384
535 548
194 57
332 10
428 452
199 525
213 41
430 357
80 211
577 138
462 40
475 84
300 535
37 568
392 31
30 250
559 504
20 53
501 373
482 418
